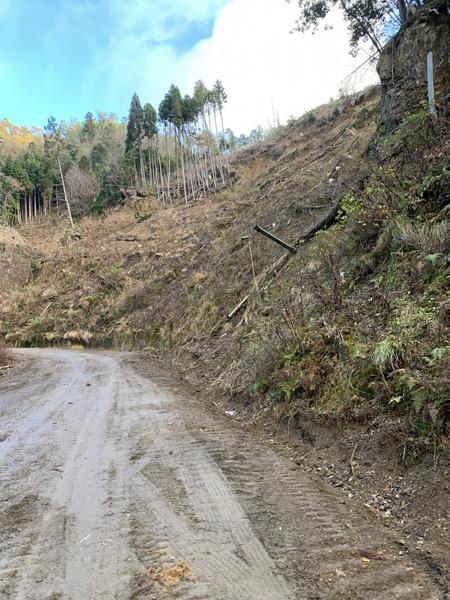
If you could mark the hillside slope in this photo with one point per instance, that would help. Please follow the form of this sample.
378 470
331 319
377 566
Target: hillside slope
353 325
346 341
141 275
15 258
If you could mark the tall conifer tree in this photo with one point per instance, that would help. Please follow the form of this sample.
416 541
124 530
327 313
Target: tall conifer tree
135 133
135 126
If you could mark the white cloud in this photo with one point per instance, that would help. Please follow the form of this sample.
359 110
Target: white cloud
262 65
141 52
159 21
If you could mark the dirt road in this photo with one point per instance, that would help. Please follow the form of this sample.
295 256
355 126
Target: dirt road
115 486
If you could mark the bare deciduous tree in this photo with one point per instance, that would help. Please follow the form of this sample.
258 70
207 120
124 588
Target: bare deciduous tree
82 188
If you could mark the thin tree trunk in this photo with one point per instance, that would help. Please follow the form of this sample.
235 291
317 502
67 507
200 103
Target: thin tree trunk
192 171
211 152
168 169
227 162
206 155
219 153
151 173
141 164
66 198
177 161
178 134
403 10
161 180
197 169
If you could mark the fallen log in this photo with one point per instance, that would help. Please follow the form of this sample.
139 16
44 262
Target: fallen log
325 222
127 238
272 271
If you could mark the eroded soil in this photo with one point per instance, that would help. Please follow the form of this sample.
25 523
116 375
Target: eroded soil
119 486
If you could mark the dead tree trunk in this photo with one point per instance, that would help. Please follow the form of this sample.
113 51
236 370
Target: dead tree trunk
69 212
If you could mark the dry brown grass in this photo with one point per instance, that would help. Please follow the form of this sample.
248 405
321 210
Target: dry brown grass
425 237
5 356
15 259
188 265
145 276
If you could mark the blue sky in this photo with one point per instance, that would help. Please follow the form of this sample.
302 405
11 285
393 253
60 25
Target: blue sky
55 55
67 57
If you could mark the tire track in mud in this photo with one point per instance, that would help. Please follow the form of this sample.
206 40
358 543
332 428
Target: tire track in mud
123 490
327 549
62 452
323 550
195 519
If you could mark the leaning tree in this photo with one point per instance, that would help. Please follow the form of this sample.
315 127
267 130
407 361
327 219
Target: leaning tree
368 20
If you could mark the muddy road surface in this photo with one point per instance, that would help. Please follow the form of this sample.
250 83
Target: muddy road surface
117 486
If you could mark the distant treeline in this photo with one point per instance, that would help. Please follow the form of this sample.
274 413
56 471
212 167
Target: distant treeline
180 151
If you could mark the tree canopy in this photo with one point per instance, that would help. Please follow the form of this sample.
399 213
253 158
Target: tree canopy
368 20
135 124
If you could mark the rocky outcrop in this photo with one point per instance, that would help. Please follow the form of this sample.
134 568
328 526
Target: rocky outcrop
403 64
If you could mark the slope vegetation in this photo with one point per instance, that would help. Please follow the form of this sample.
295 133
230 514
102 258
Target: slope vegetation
352 326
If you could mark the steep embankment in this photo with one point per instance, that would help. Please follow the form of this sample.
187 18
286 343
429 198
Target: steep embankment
352 326
351 331
140 276
15 260
347 340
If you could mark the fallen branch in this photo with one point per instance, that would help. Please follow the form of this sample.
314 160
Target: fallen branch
300 208
275 239
275 268
237 308
341 158
327 220
253 266
127 238
337 140
46 308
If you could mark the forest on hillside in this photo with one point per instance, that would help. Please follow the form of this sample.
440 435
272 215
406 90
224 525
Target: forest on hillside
179 151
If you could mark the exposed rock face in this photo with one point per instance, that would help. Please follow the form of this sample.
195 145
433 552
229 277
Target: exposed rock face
403 64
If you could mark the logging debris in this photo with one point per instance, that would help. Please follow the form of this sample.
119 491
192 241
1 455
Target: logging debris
275 239
325 222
